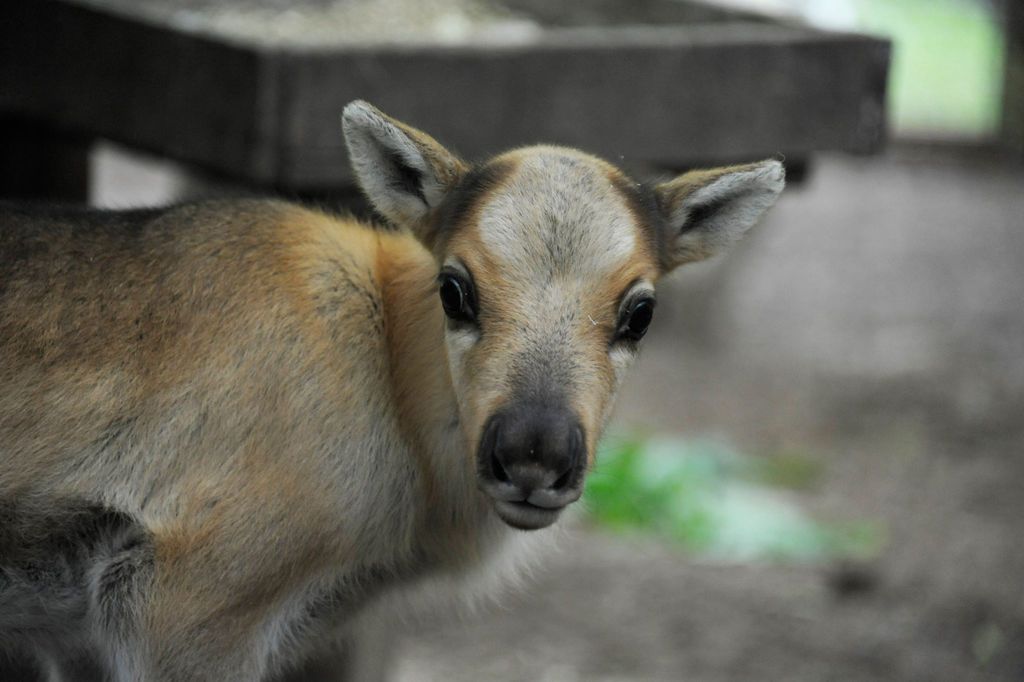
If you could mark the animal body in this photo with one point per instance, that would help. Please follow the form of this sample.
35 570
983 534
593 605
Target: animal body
228 428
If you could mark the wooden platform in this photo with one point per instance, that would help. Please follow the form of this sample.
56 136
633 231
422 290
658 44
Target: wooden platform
674 86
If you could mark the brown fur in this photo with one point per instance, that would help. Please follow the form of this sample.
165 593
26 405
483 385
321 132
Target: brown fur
189 375
227 428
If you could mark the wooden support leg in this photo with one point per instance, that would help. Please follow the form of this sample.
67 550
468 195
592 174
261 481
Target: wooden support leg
1013 84
39 163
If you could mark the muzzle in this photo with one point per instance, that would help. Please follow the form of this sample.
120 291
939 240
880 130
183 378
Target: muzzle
531 461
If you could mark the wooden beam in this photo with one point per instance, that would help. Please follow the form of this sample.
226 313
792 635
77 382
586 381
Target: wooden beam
661 94
1013 83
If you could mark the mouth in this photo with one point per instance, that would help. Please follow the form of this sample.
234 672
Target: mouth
526 516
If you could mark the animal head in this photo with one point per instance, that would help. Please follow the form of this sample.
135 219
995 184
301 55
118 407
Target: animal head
547 262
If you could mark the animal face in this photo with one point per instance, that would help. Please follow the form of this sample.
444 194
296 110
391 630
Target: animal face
547 262
547 280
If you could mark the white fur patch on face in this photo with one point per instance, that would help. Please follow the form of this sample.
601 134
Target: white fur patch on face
558 213
459 343
621 358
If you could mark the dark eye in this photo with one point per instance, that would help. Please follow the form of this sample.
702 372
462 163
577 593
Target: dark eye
456 297
636 319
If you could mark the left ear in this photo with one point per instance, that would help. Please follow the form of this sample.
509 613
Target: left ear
707 211
404 172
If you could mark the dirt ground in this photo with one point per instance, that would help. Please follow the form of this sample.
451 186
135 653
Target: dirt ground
877 321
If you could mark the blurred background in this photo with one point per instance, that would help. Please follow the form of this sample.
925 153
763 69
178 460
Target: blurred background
816 471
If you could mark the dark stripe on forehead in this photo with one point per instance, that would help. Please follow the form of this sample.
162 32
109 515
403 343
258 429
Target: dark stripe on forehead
460 205
643 204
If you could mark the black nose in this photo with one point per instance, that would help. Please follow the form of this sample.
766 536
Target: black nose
531 462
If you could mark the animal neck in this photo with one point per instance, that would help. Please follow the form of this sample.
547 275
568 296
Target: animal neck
451 504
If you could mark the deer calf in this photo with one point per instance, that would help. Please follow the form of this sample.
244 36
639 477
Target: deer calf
228 427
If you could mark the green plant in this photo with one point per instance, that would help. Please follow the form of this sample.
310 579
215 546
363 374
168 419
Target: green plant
710 499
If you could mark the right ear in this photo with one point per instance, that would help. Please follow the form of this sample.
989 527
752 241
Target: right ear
707 211
404 173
